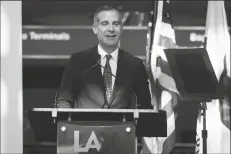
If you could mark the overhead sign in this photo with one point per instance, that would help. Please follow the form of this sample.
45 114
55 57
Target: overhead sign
64 41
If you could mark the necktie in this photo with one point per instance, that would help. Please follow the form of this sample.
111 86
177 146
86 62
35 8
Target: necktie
107 79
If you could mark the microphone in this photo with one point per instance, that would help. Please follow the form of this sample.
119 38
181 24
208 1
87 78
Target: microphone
93 66
54 111
55 103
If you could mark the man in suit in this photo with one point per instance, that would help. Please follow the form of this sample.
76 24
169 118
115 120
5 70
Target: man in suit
105 76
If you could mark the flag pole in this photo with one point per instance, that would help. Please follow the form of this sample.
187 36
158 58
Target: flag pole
150 38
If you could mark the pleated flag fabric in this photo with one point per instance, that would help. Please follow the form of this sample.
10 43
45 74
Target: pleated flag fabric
218 48
163 37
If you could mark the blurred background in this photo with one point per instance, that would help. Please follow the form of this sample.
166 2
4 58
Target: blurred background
52 30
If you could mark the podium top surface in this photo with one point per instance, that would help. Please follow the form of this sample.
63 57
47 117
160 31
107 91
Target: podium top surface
96 110
150 122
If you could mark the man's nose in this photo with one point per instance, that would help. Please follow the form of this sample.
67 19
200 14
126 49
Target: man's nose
111 28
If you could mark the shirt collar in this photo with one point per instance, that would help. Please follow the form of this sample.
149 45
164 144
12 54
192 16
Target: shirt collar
103 53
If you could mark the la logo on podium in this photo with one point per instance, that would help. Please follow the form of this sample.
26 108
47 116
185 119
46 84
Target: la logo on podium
91 143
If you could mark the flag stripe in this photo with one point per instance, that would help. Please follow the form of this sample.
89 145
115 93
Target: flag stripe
169 109
165 30
168 146
166 100
166 42
164 66
198 133
225 83
171 103
167 82
224 112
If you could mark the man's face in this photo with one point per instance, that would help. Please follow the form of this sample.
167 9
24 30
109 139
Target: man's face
108 28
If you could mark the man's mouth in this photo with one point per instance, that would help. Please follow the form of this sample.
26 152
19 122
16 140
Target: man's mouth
111 36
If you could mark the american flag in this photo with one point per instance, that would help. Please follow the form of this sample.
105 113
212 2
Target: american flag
167 98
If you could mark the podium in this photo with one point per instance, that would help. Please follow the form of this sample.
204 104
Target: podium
96 131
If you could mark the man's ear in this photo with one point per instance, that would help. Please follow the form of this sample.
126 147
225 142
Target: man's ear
94 29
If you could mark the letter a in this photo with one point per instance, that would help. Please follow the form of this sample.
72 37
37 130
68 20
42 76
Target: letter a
96 142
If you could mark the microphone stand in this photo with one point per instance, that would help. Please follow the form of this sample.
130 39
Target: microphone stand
136 117
204 131
54 112
93 66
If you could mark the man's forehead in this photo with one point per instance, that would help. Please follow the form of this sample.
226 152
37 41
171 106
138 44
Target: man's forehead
109 14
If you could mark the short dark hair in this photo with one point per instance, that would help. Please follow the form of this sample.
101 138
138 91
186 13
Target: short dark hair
105 8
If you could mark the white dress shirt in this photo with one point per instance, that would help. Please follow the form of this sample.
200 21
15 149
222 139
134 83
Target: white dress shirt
113 62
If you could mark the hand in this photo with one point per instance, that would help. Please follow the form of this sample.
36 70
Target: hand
63 104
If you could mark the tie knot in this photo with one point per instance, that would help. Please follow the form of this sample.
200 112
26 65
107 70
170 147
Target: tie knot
108 57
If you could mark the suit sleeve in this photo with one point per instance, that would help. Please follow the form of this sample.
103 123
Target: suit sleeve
142 88
65 97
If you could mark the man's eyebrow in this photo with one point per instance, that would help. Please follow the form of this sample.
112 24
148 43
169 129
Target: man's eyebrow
104 21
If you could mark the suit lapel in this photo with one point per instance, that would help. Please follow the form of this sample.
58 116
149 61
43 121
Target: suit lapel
95 74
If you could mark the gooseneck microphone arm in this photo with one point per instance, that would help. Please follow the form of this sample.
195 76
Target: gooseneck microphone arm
54 112
98 63
93 66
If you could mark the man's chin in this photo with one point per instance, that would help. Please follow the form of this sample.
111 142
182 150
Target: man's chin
111 44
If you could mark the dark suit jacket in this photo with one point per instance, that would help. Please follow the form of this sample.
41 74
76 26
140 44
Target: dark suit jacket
83 87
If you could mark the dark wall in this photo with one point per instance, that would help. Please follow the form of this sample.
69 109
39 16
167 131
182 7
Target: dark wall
41 80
